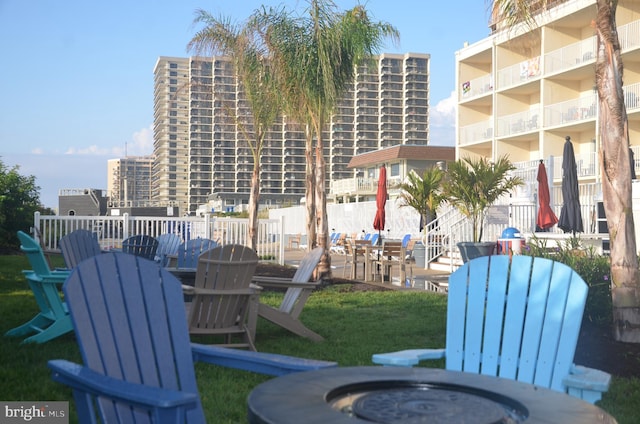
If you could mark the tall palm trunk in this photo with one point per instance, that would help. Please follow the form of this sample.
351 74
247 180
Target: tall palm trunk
616 176
309 195
254 197
324 267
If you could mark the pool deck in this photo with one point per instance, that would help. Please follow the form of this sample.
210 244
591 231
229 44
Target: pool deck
420 278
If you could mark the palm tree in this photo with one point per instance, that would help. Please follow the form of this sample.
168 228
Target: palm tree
423 193
317 57
472 185
241 44
616 170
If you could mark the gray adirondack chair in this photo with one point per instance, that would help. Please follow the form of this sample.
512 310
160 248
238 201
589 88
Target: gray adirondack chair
129 319
298 290
77 246
221 296
518 319
53 319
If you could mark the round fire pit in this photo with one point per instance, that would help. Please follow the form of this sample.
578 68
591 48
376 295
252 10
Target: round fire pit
410 396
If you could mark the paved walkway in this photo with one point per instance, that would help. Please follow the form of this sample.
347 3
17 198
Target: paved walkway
419 277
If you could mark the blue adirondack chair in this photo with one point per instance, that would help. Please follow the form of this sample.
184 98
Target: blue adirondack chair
141 245
133 338
77 246
189 252
518 319
168 245
53 319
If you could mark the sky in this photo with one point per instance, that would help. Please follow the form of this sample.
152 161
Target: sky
76 80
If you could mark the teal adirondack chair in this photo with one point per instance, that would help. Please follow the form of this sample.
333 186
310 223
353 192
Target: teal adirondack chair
518 319
138 363
53 319
77 246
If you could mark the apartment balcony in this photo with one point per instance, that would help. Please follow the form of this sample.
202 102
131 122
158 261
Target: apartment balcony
518 123
571 111
477 87
363 187
519 73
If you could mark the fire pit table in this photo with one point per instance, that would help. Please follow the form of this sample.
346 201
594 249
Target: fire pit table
412 395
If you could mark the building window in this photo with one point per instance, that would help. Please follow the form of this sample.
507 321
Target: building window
394 170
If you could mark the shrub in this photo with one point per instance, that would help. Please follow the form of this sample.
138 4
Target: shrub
594 269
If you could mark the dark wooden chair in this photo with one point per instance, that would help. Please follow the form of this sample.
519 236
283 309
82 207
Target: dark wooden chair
129 319
514 318
141 245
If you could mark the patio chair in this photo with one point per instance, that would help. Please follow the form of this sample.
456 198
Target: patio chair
189 252
517 319
141 245
392 254
168 245
354 254
53 319
221 295
77 246
298 290
134 342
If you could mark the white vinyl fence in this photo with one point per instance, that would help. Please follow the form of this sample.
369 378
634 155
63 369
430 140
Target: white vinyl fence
112 230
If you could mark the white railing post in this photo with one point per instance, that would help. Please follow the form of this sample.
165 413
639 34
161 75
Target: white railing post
207 223
36 225
281 247
125 226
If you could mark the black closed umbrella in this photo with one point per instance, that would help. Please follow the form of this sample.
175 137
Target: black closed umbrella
570 215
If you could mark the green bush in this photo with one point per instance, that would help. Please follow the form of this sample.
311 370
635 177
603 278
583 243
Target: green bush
594 269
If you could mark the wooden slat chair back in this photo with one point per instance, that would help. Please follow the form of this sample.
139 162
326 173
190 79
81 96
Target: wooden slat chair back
391 255
298 290
77 246
355 252
53 319
138 362
189 252
222 293
517 319
168 245
141 245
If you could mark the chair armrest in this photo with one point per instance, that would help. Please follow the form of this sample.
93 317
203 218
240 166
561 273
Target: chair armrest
258 362
407 358
282 283
86 380
587 383
213 292
56 277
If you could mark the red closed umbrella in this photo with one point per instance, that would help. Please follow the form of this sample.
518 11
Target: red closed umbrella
546 218
381 200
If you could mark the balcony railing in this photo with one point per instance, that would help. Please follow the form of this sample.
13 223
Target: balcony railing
518 123
481 131
477 87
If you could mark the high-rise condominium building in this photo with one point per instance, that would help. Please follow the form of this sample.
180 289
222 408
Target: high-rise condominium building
129 180
200 152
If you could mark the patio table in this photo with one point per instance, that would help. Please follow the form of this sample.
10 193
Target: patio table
374 394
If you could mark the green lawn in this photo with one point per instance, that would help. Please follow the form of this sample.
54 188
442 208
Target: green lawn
354 324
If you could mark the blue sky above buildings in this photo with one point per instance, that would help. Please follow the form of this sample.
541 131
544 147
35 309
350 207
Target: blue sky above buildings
77 75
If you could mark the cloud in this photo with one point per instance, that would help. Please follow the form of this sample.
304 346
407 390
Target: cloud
442 122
